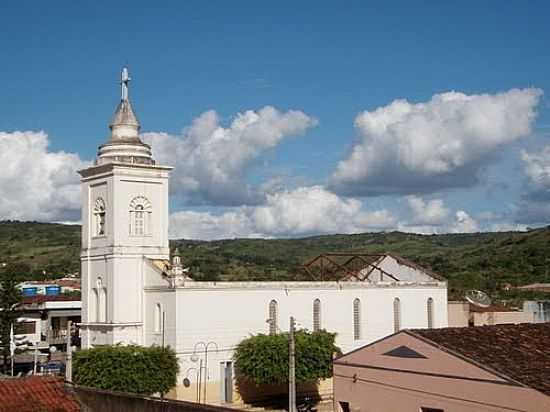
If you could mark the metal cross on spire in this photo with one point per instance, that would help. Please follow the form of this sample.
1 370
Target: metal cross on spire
124 80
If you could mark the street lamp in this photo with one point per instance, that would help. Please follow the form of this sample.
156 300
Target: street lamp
195 357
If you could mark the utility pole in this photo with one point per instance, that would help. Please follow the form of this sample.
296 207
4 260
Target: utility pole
69 363
291 368
12 347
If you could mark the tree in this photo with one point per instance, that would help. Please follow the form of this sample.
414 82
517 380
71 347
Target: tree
264 358
10 299
136 369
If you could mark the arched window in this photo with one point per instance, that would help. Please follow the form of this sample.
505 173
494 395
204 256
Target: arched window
99 217
273 317
357 319
430 309
396 315
158 317
140 216
316 315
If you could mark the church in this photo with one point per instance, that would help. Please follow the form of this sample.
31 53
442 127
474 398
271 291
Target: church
133 292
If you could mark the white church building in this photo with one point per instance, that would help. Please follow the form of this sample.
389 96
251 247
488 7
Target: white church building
133 293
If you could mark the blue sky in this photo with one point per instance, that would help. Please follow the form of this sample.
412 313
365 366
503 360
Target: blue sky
327 60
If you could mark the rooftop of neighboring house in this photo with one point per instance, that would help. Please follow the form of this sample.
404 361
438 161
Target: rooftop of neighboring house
518 352
26 300
36 393
42 302
70 283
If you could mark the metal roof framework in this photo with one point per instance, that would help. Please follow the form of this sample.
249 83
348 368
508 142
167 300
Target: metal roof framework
344 266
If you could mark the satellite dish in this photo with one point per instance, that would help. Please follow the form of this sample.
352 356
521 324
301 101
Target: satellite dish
478 298
186 382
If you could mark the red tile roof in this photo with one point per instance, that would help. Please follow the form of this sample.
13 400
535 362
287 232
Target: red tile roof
35 393
71 283
48 298
520 353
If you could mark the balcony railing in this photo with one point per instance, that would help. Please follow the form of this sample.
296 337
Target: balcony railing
57 336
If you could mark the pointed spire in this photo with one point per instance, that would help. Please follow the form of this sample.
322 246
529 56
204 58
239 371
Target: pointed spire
124 145
124 124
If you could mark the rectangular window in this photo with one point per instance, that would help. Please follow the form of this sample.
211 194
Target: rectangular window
25 328
423 409
356 319
396 315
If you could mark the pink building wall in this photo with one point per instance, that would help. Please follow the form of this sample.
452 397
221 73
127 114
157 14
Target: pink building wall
373 382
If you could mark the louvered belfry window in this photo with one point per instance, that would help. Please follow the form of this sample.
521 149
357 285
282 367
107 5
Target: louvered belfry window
357 319
273 317
396 315
140 216
316 315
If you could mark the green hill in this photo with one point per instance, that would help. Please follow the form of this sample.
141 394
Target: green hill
469 261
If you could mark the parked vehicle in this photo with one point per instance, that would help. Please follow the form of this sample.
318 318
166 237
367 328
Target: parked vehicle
53 368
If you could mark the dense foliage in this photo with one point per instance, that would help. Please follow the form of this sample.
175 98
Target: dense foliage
263 359
484 261
133 369
469 261
10 298
38 251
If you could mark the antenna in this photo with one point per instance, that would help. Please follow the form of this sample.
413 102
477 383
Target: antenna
478 298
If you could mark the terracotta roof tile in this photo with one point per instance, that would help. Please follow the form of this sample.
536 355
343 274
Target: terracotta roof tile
48 298
35 393
519 352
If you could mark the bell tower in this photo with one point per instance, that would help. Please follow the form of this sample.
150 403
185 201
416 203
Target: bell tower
124 223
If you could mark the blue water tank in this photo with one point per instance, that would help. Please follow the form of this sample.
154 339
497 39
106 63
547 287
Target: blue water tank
29 291
53 290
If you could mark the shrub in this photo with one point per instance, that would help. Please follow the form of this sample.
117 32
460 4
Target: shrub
136 369
263 359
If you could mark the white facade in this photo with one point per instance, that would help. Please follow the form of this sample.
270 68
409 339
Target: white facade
132 294
224 313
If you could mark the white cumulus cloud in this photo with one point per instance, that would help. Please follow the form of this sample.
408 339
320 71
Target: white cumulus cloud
534 207
300 212
431 212
433 216
537 169
422 147
464 223
210 159
35 183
